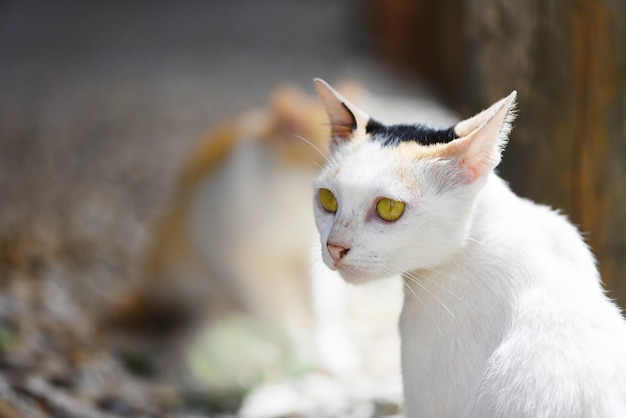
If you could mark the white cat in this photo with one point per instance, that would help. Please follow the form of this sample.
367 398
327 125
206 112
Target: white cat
504 313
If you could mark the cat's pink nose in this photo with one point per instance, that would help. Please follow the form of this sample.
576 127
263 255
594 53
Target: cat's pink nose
337 252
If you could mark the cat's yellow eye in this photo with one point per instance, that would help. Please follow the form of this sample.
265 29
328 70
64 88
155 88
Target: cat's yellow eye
389 209
328 200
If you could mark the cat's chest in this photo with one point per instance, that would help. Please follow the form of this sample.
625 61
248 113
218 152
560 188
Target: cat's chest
448 332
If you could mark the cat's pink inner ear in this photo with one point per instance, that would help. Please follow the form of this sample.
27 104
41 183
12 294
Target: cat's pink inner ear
483 137
345 118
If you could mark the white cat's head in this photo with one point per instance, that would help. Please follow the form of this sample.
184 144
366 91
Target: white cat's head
399 198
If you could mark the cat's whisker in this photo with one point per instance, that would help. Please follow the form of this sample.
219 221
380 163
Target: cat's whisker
415 280
438 283
312 145
476 241
424 277
432 269
440 272
432 317
315 267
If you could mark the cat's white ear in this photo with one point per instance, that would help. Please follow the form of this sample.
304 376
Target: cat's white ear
482 138
345 118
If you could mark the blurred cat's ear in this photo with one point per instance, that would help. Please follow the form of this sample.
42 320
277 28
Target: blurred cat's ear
345 118
482 138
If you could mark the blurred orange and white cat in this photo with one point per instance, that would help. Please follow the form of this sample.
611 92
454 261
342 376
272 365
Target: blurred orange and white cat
239 237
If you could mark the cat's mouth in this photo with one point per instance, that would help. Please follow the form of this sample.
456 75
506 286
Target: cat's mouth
352 274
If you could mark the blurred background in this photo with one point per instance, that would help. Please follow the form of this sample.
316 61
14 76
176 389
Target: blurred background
157 256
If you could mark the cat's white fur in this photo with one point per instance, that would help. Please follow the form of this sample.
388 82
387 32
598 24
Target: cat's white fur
504 312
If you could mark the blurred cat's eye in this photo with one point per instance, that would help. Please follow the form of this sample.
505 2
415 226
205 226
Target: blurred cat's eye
328 200
389 209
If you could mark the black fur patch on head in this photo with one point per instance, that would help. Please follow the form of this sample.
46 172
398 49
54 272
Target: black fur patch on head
393 135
